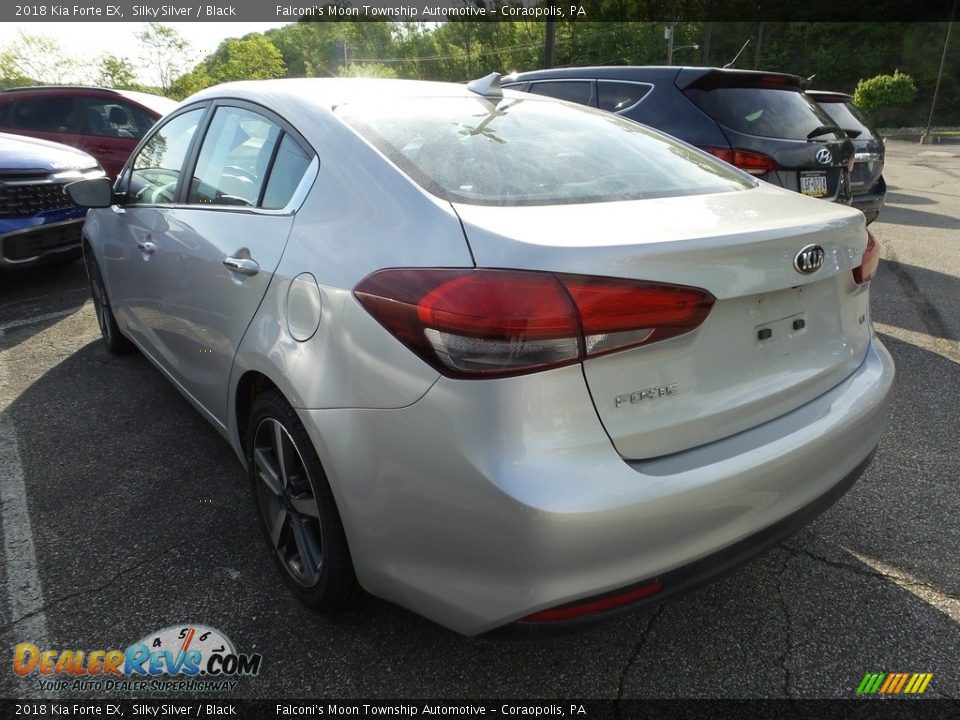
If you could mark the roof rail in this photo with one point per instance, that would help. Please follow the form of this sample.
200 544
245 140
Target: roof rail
59 87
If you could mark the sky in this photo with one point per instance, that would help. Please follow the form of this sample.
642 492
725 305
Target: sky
88 40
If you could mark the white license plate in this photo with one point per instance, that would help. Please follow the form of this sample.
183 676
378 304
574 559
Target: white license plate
814 184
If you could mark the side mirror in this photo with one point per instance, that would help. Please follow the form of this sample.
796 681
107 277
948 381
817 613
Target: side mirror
91 193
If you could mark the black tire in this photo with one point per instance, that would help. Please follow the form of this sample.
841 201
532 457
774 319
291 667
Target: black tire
117 344
298 515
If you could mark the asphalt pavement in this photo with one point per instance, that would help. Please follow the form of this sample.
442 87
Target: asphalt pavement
124 512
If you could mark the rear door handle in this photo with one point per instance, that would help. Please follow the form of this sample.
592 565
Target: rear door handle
243 266
146 247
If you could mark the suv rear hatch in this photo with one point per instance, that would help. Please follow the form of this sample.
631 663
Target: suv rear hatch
868 146
774 340
787 138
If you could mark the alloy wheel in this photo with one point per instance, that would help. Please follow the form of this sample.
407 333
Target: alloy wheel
288 503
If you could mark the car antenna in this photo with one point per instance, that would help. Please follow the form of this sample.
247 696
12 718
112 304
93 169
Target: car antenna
737 56
488 86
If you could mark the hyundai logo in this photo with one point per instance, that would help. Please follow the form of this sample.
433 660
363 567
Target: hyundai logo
824 156
809 259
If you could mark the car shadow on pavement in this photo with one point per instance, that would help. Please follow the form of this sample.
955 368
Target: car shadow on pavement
33 299
925 291
142 518
896 215
899 198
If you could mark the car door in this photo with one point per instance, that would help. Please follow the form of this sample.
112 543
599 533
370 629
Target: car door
136 228
223 241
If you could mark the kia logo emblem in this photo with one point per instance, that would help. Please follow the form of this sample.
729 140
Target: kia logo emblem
809 259
824 156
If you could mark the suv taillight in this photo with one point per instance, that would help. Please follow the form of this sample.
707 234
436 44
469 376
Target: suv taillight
752 162
869 262
482 323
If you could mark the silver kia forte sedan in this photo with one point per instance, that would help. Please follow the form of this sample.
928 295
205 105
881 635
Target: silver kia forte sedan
512 363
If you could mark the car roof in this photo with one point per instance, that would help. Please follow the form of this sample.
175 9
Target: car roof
158 104
325 94
330 92
686 74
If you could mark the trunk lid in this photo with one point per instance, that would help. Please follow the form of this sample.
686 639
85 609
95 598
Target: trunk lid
739 246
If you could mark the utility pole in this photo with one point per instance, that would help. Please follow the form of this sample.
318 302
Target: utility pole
756 59
550 42
943 59
669 35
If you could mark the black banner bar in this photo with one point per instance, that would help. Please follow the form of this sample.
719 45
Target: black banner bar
861 709
472 10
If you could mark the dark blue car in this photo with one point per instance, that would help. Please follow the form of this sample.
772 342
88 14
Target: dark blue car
38 222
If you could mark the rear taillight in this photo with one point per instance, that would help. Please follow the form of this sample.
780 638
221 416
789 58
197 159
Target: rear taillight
752 162
481 323
869 262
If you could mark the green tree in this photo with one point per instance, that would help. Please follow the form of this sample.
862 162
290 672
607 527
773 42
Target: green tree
116 72
884 91
167 52
36 59
367 70
252 57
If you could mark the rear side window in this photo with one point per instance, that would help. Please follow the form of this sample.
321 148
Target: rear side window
288 170
115 119
578 91
531 152
763 111
615 96
234 159
848 117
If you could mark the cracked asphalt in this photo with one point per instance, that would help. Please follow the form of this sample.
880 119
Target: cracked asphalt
140 519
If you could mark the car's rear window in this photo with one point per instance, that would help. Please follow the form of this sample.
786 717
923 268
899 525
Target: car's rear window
529 151
763 111
848 117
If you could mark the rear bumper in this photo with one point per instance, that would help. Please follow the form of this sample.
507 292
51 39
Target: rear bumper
871 202
700 572
487 501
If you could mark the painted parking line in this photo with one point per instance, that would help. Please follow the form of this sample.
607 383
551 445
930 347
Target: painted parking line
24 591
25 322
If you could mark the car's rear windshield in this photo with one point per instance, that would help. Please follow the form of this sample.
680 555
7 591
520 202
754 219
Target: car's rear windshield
848 117
764 111
529 151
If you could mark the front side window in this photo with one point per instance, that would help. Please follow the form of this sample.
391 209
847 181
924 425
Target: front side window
157 167
53 114
529 151
234 159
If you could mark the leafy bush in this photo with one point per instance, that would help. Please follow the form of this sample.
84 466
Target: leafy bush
884 91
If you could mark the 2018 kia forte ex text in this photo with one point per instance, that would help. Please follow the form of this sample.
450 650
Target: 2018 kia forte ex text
509 362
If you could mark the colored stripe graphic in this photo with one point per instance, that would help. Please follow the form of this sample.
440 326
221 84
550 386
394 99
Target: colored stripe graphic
870 683
894 683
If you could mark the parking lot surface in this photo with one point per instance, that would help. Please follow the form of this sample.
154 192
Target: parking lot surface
123 512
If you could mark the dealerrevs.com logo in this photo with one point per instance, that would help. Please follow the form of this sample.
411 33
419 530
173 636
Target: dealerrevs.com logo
180 658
